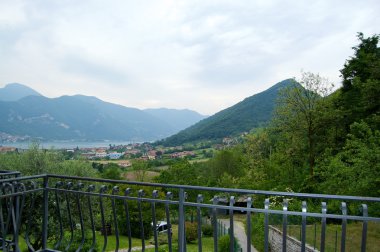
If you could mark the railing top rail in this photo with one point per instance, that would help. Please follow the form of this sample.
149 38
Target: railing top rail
23 178
224 190
5 172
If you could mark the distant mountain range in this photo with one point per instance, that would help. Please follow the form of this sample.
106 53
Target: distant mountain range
16 91
27 114
252 112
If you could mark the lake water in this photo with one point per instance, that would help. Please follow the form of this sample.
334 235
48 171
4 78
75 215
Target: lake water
66 144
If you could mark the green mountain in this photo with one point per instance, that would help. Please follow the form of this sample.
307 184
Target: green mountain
31 115
252 112
16 91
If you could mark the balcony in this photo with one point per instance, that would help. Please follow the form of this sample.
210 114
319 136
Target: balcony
63 213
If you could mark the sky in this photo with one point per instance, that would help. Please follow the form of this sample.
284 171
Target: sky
199 55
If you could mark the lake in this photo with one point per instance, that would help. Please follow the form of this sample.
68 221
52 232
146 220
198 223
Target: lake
67 144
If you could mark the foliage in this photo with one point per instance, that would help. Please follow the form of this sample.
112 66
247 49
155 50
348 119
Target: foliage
140 168
258 231
207 230
297 116
357 164
191 231
224 243
365 64
112 171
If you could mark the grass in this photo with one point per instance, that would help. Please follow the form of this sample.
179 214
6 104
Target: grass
133 175
207 243
333 236
111 242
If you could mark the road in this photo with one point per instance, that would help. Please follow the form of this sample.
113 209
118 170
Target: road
239 233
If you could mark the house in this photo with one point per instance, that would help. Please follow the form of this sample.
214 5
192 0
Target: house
115 155
125 163
151 155
182 154
100 154
88 155
4 149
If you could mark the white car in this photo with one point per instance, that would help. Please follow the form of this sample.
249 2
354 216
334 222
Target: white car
162 227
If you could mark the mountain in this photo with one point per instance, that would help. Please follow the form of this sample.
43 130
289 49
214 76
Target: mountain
178 118
254 111
16 91
24 113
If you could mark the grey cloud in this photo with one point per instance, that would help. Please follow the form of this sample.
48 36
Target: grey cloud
93 70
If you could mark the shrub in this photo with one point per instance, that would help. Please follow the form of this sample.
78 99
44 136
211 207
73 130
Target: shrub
224 243
258 231
191 232
207 230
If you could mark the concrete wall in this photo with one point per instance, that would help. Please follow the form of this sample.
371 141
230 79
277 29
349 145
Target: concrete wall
292 244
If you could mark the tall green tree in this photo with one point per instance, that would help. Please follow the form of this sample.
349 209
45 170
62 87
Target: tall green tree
298 113
359 99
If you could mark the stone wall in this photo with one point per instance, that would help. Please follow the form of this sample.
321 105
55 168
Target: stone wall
292 244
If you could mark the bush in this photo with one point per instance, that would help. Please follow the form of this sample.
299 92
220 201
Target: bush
207 230
191 232
224 243
258 231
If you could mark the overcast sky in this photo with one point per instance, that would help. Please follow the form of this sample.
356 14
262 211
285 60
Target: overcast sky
201 55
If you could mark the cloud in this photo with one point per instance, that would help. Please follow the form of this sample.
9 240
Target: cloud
202 55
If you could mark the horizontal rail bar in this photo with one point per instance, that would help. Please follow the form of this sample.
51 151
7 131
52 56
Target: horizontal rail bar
219 189
211 206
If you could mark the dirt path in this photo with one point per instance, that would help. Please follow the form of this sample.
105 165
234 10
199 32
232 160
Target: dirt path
239 233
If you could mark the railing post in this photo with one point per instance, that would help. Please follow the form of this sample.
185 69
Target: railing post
323 227
303 235
344 224
169 196
215 223
266 225
364 231
249 228
153 204
115 190
45 213
231 230
181 221
284 224
141 194
199 220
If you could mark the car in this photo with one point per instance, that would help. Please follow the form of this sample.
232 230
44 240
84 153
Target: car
162 227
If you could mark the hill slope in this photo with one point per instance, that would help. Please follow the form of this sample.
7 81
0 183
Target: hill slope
16 91
254 111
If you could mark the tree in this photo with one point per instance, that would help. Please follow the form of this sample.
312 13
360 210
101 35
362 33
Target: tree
112 171
140 169
357 165
365 64
298 113
361 84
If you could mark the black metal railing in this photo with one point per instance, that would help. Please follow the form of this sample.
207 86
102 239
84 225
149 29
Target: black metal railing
52 212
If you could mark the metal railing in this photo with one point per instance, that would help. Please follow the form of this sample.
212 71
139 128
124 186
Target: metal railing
52 212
